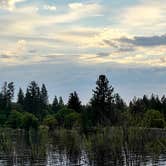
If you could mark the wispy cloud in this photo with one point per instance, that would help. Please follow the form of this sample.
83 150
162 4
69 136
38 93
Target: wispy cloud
145 40
49 7
9 4
146 17
136 36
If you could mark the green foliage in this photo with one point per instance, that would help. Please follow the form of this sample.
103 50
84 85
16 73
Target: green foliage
50 121
86 119
15 120
74 102
20 99
159 123
153 118
44 97
55 105
104 109
32 99
61 103
6 96
72 119
3 118
60 115
29 121
102 102
36 100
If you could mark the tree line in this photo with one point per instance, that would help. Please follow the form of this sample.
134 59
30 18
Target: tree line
105 108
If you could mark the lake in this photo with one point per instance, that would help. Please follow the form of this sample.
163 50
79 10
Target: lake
109 146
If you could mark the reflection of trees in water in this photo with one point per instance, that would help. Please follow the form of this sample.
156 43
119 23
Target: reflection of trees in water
105 148
111 146
21 148
136 146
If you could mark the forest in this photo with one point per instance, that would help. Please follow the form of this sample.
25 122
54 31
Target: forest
105 108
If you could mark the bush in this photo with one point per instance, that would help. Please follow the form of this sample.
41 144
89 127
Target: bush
15 120
154 118
50 121
72 119
60 115
159 123
29 121
3 118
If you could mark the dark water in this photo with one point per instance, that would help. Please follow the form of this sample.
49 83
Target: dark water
111 146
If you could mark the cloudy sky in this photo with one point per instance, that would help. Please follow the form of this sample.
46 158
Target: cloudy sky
68 43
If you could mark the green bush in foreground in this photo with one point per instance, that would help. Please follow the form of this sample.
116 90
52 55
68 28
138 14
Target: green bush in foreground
60 115
154 118
29 121
50 121
15 120
72 119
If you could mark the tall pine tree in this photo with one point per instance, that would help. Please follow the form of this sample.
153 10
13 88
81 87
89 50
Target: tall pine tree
44 97
60 103
102 102
74 102
55 105
20 97
6 96
32 99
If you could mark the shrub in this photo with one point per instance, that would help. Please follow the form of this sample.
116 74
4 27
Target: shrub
3 118
153 118
15 120
72 119
50 121
60 115
159 123
29 121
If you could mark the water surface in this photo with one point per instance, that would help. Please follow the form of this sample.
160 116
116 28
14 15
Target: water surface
110 146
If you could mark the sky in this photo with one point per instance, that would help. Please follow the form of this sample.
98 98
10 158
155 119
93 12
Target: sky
67 44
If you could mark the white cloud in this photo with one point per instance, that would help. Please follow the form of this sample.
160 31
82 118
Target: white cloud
76 6
45 34
14 49
16 22
49 7
145 18
9 4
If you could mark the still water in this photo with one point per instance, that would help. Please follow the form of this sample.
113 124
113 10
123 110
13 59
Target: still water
110 146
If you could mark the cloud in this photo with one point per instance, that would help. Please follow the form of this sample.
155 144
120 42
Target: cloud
12 54
103 54
145 40
68 33
49 7
9 4
36 19
76 6
4 56
146 17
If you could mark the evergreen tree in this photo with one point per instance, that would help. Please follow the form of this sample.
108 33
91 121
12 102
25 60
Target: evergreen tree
137 106
55 105
74 102
119 103
102 101
44 97
163 103
32 99
6 95
60 103
146 102
20 98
